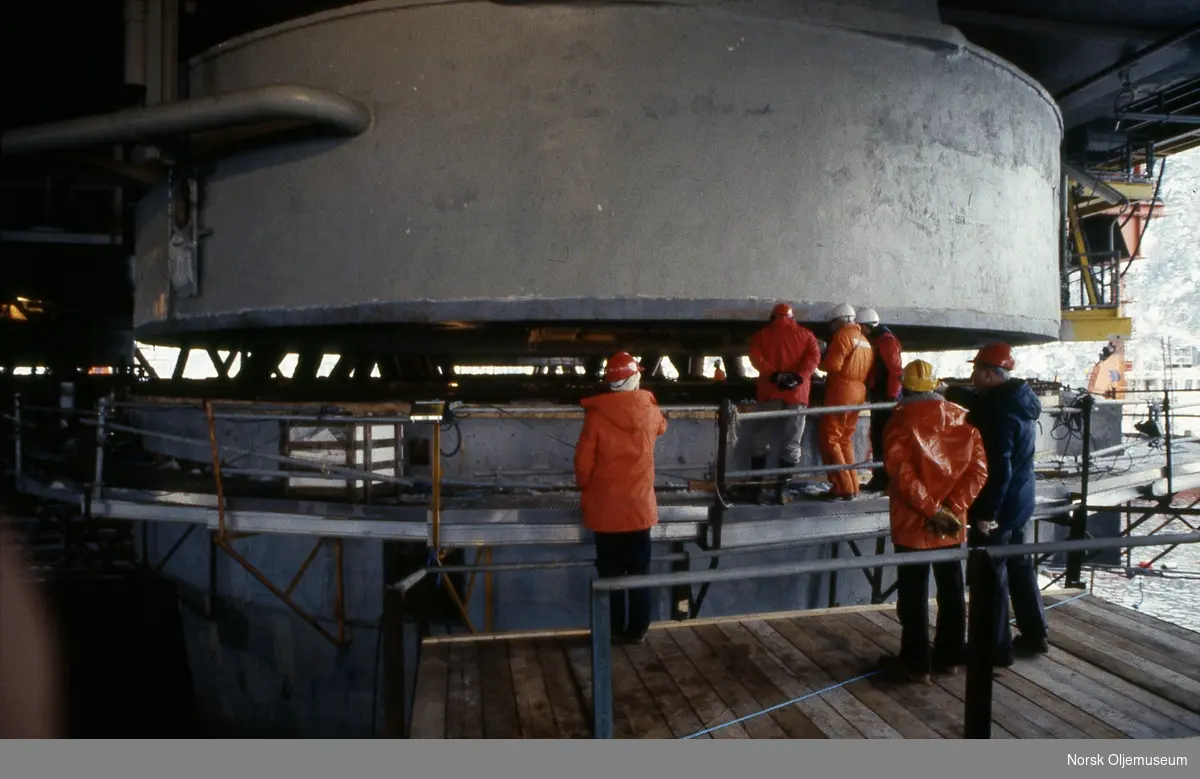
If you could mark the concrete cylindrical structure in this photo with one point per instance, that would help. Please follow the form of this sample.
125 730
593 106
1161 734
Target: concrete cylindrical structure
687 162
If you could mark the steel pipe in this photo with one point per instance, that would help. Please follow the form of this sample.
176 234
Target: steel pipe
328 471
277 102
866 464
1093 544
908 558
1137 116
804 411
772 571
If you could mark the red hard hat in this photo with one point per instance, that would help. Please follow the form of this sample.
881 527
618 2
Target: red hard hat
998 354
781 309
621 366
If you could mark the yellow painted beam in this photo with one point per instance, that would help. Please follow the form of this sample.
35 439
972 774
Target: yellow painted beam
1094 324
1089 284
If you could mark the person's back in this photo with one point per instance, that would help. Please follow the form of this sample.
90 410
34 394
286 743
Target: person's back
614 460
935 460
1006 411
787 347
883 382
847 363
1006 416
936 465
614 468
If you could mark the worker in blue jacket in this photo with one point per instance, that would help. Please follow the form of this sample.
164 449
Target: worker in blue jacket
1005 410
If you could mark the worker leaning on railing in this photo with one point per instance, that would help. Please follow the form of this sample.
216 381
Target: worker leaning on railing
614 468
936 466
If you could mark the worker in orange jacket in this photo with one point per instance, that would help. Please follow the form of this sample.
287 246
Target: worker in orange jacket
847 363
614 468
785 354
937 466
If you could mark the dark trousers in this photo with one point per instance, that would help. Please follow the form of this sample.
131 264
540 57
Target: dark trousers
879 420
625 554
912 606
1015 578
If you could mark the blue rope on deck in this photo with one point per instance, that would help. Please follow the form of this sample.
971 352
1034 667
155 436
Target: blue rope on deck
1056 605
831 688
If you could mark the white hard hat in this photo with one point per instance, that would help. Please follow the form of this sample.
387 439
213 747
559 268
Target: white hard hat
844 311
867 316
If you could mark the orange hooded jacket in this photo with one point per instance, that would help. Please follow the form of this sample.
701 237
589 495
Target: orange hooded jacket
848 361
934 458
614 461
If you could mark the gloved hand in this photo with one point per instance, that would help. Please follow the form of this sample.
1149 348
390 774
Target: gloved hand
787 381
984 526
944 523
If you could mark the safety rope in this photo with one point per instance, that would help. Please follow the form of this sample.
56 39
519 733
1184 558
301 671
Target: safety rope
1056 605
831 688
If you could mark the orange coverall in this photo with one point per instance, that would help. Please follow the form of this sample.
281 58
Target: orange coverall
847 363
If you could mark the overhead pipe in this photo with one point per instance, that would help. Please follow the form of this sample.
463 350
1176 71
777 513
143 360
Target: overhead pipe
280 102
1166 43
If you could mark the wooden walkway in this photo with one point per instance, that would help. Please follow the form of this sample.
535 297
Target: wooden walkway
1112 672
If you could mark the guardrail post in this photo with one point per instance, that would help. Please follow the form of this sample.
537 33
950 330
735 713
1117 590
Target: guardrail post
724 422
1167 441
981 643
392 634
17 438
602 703
681 594
101 435
1079 518
833 575
877 575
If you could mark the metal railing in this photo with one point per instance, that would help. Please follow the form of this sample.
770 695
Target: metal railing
980 636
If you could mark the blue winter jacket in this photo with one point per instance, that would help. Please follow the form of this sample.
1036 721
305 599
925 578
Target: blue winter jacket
1007 417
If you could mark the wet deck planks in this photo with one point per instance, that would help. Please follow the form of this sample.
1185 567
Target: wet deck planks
1111 673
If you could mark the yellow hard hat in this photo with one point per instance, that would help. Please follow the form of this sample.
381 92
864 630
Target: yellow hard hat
918 377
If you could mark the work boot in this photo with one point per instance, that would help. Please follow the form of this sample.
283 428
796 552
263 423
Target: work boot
633 637
781 490
898 670
781 485
1027 646
877 483
942 666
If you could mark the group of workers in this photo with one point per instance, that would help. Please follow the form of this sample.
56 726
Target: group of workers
957 466
861 361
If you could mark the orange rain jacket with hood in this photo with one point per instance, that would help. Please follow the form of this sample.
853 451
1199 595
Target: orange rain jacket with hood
614 461
934 459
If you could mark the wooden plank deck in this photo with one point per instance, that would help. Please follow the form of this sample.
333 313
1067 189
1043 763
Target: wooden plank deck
1111 673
